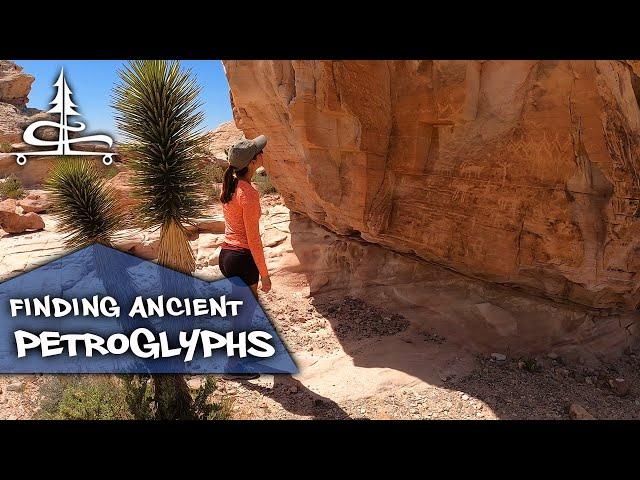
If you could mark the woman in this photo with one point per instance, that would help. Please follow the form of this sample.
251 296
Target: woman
241 254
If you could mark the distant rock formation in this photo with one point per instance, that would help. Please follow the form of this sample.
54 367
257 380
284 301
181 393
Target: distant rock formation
220 139
15 85
522 173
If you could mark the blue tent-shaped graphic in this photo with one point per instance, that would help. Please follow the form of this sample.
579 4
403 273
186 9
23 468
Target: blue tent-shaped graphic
102 271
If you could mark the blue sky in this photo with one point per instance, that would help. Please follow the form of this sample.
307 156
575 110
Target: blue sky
92 81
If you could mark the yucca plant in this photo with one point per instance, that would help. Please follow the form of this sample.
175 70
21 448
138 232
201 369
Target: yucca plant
86 208
159 114
88 212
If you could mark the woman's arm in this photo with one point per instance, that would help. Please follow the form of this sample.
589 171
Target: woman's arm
250 201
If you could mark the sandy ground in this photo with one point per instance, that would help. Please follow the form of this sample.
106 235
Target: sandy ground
359 361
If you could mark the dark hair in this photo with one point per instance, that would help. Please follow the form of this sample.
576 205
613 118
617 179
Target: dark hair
230 182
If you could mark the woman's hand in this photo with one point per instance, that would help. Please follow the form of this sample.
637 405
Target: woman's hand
265 284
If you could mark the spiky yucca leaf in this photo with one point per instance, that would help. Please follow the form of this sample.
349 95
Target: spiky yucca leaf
158 112
87 210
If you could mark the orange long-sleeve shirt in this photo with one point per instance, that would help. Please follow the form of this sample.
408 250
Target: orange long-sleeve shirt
242 223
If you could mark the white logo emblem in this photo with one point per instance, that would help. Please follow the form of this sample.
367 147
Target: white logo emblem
63 105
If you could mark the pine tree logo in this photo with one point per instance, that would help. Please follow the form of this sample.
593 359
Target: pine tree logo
64 106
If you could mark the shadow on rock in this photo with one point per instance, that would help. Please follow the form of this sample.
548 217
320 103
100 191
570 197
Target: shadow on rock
351 282
298 399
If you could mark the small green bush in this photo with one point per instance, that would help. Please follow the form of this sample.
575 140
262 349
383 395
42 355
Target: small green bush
85 398
530 364
118 397
5 147
206 410
11 188
213 173
264 184
110 171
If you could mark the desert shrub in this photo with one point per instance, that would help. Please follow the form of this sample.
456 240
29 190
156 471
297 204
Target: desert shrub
5 147
530 364
206 410
11 188
85 206
118 397
263 183
139 396
85 398
110 171
213 173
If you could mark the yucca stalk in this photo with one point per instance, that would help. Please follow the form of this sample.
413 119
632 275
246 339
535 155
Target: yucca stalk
159 115
86 208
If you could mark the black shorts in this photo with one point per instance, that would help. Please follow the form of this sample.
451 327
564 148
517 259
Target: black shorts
239 263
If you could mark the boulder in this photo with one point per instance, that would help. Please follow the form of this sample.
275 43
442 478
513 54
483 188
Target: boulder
519 173
34 202
12 222
32 174
473 313
207 257
578 412
619 386
8 205
273 237
213 224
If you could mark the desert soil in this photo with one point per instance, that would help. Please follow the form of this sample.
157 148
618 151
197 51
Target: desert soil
360 361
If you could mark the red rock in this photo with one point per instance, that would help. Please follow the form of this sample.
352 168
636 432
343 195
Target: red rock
12 222
8 205
214 224
123 191
516 172
15 85
619 386
220 139
34 203
578 412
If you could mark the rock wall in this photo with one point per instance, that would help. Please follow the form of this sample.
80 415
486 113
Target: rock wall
521 173
15 86
474 314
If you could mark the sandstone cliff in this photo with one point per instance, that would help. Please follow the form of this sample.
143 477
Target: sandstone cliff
521 173
220 139
15 86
